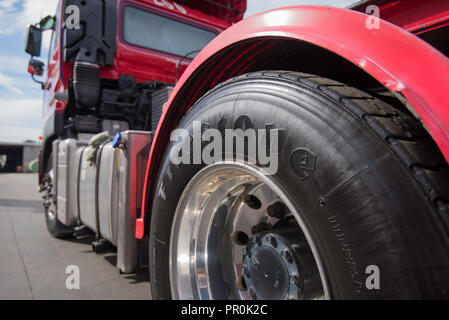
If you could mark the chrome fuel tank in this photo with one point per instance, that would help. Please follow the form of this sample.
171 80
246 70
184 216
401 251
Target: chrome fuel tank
132 163
74 177
64 168
108 176
87 190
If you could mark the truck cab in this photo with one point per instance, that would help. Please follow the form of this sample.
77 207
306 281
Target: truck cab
107 58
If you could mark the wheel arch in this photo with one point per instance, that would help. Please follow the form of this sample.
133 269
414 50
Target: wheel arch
325 41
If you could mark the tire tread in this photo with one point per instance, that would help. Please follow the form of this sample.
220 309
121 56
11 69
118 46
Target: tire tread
405 136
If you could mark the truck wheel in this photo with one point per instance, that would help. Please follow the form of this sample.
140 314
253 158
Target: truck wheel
54 226
357 208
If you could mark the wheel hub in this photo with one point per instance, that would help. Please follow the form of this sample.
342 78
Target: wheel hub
230 207
271 267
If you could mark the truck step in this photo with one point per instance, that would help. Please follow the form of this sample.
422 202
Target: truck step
82 231
101 246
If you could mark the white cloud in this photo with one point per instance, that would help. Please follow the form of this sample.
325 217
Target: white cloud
19 110
13 64
34 10
8 4
20 101
19 134
15 18
22 120
8 83
257 6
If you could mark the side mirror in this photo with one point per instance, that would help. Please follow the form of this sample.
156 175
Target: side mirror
33 41
35 67
47 23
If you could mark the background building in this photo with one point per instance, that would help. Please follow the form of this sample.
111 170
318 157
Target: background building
15 157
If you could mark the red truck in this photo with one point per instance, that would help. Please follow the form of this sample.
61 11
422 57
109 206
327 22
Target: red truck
302 154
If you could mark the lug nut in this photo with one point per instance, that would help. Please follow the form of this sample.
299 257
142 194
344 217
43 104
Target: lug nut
239 238
286 255
270 240
277 210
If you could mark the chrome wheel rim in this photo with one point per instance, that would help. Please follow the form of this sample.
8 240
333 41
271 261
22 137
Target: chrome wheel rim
49 203
204 260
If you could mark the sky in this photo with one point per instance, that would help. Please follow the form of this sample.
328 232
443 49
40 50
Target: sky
20 97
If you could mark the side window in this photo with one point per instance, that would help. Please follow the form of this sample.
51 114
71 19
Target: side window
149 30
52 45
54 38
54 35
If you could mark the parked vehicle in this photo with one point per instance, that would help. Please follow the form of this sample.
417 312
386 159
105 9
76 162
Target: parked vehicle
350 110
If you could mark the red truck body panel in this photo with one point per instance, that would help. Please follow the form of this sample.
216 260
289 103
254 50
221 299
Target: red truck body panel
397 59
144 64
415 16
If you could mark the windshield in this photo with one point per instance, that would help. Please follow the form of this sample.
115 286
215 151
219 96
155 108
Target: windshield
149 30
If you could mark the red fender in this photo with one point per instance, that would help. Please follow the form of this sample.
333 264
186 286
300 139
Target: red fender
397 59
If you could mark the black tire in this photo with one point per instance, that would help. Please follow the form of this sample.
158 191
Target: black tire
378 194
54 226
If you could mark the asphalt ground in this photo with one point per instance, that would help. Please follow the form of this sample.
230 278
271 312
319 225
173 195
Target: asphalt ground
33 264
